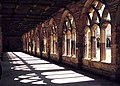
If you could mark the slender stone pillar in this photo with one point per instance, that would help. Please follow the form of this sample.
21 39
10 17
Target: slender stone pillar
102 44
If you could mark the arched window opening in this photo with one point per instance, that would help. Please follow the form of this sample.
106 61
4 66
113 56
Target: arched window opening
32 41
51 45
44 42
97 20
98 42
68 43
69 36
108 16
73 43
29 42
95 34
64 39
88 21
95 2
87 43
91 15
101 10
37 42
53 38
98 25
108 43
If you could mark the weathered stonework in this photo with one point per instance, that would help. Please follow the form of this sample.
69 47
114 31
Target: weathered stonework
78 10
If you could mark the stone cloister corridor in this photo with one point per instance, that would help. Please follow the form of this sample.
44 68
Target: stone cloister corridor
60 42
27 70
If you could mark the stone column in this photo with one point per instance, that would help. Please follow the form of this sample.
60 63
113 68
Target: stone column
102 45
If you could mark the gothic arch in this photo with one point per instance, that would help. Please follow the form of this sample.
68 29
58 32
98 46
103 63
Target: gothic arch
53 36
98 19
37 41
65 13
68 34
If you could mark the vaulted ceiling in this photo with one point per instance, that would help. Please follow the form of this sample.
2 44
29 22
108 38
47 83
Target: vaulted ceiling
19 16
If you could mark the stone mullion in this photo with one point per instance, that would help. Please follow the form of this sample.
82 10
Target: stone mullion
102 45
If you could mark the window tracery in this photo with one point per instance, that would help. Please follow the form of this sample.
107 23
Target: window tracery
69 36
53 38
98 32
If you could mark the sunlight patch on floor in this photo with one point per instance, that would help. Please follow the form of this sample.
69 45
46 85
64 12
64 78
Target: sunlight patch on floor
30 78
66 76
58 72
47 67
71 80
53 72
17 62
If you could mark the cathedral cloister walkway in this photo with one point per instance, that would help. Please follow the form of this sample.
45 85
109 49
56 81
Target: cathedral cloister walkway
20 69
